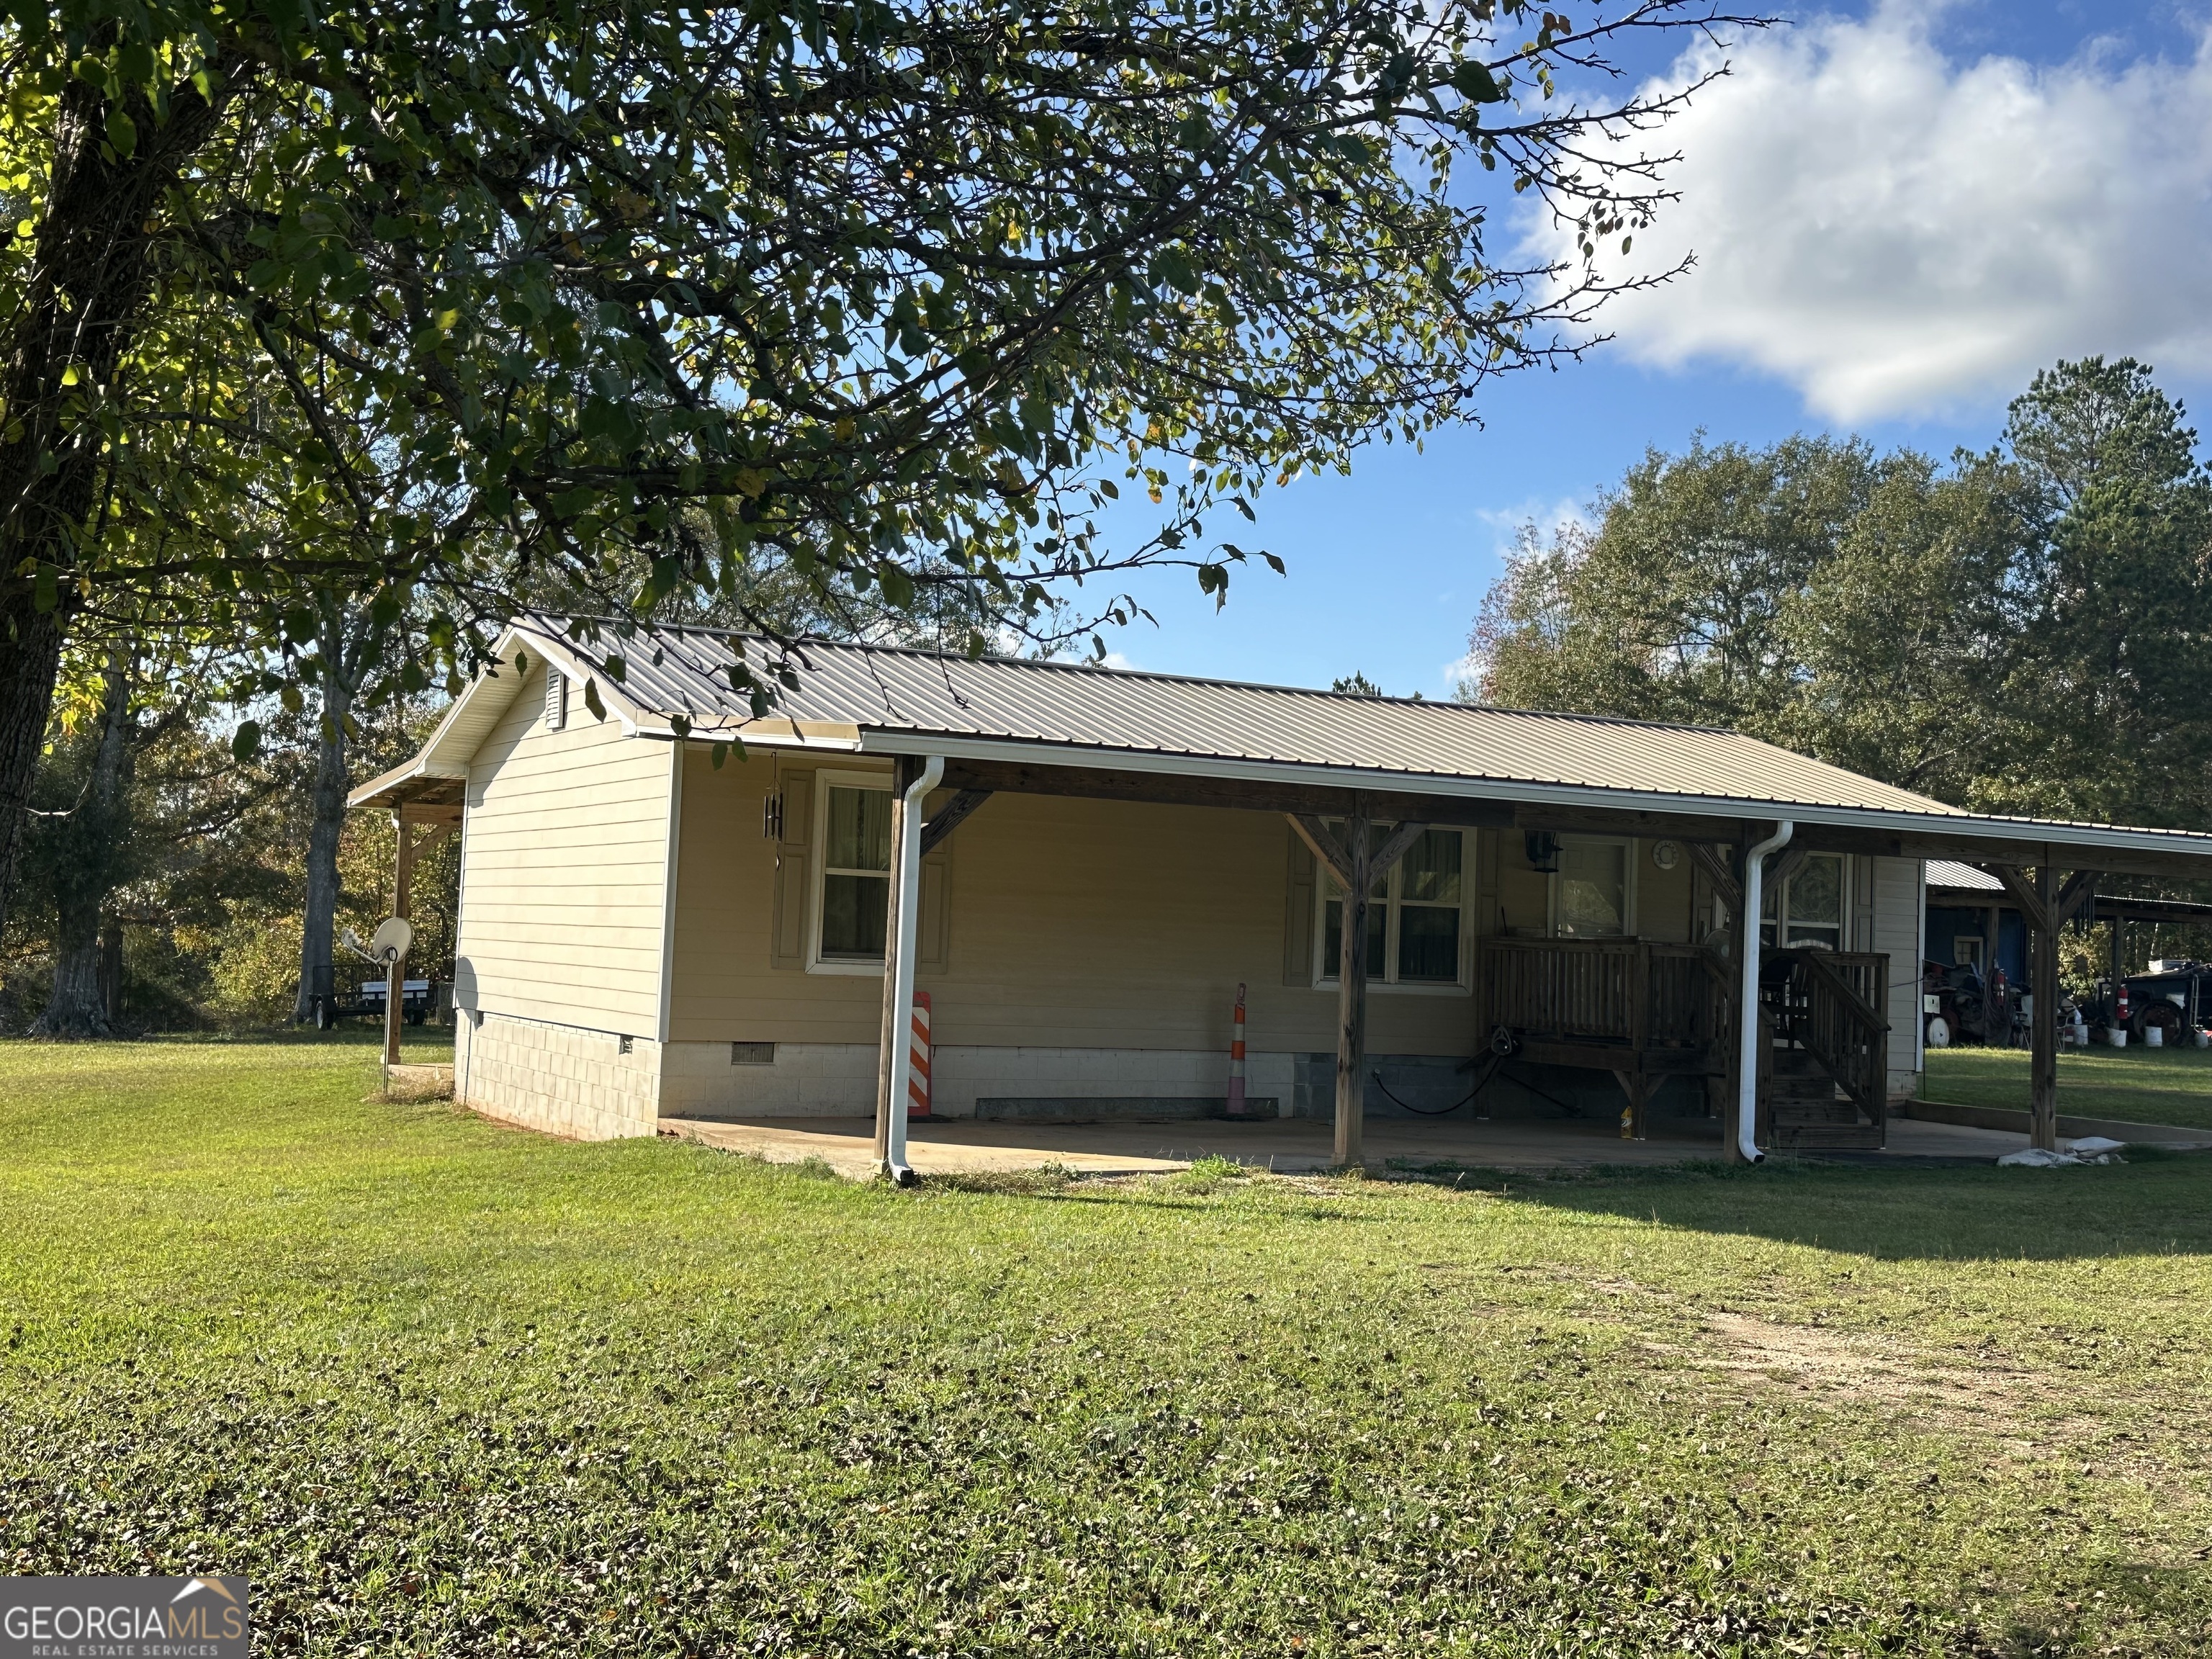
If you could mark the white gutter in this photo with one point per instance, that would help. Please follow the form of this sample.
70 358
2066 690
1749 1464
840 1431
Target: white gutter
1747 1099
909 911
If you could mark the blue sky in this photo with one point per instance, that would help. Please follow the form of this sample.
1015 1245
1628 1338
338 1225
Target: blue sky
1899 211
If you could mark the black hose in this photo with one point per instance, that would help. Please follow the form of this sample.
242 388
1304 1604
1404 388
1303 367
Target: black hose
1481 1084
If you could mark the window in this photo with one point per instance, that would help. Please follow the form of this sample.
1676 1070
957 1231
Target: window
1966 951
1592 892
1413 915
853 842
1809 908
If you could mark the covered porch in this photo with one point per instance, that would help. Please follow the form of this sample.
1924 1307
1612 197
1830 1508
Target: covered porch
1811 1074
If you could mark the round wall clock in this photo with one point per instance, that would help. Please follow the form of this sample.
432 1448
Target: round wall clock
1666 853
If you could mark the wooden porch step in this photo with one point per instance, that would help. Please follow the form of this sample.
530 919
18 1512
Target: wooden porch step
1863 1137
1797 1062
1804 1112
1804 1089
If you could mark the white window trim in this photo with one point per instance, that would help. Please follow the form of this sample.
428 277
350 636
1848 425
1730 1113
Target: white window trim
818 865
1325 977
1843 925
1629 918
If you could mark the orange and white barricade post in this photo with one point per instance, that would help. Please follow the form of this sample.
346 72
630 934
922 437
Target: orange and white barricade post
917 1061
1237 1060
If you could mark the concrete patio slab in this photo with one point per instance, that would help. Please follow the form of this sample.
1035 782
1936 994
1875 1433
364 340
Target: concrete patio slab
1288 1146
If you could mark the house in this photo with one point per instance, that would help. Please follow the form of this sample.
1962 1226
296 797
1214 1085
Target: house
1078 868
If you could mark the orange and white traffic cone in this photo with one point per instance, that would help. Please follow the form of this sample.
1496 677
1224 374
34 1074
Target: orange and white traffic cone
1237 1060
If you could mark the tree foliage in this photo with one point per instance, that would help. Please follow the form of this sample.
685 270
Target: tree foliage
470 298
2021 631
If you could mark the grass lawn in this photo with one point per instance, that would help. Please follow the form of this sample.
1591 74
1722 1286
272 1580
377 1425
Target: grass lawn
444 1388
2135 1084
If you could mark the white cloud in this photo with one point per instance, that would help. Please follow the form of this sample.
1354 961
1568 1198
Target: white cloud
1549 518
1895 234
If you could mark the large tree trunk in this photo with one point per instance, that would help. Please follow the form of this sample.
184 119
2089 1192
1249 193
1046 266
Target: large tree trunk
330 810
82 308
30 656
79 1006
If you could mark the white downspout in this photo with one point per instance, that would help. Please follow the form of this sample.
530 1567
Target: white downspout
1754 898
906 924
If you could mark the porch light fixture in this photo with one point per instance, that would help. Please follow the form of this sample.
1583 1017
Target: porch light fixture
1543 849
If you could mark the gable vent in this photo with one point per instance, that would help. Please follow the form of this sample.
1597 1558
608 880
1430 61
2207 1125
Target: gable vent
556 699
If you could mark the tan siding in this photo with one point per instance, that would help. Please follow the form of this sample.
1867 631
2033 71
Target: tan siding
1069 924
562 893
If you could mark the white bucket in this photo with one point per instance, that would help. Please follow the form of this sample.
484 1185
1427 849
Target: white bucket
2078 1031
2204 1039
2154 1037
2118 1036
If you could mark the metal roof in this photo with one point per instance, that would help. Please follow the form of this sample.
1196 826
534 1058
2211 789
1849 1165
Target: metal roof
1950 872
886 700
866 688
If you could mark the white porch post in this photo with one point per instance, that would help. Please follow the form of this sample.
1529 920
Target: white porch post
905 904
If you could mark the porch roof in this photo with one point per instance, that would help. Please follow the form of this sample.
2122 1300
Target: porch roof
1001 716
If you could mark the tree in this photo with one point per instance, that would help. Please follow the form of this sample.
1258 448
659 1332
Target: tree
2029 630
104 827
93 853
2114 602
1845 605
885 294
348 644
1675 606
1356 684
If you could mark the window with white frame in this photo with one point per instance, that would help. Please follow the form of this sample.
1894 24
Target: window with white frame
1593 889
1415 914
853 857
1809 908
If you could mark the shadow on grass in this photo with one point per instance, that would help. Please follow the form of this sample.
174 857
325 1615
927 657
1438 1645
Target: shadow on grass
2156 1204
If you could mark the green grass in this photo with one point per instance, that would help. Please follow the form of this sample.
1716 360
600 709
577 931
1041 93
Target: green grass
2135 1085
440 1386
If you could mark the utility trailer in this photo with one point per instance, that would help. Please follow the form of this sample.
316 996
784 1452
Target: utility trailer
420 999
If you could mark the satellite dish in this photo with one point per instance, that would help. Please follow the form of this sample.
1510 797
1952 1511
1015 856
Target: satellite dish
393 935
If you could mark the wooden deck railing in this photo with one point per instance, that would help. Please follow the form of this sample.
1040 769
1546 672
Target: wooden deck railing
1830 1002
1843 1025
1633 992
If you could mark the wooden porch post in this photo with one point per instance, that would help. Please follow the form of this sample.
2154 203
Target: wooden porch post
1352 989
2044 906
1713 861
2043 1026
1357 866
